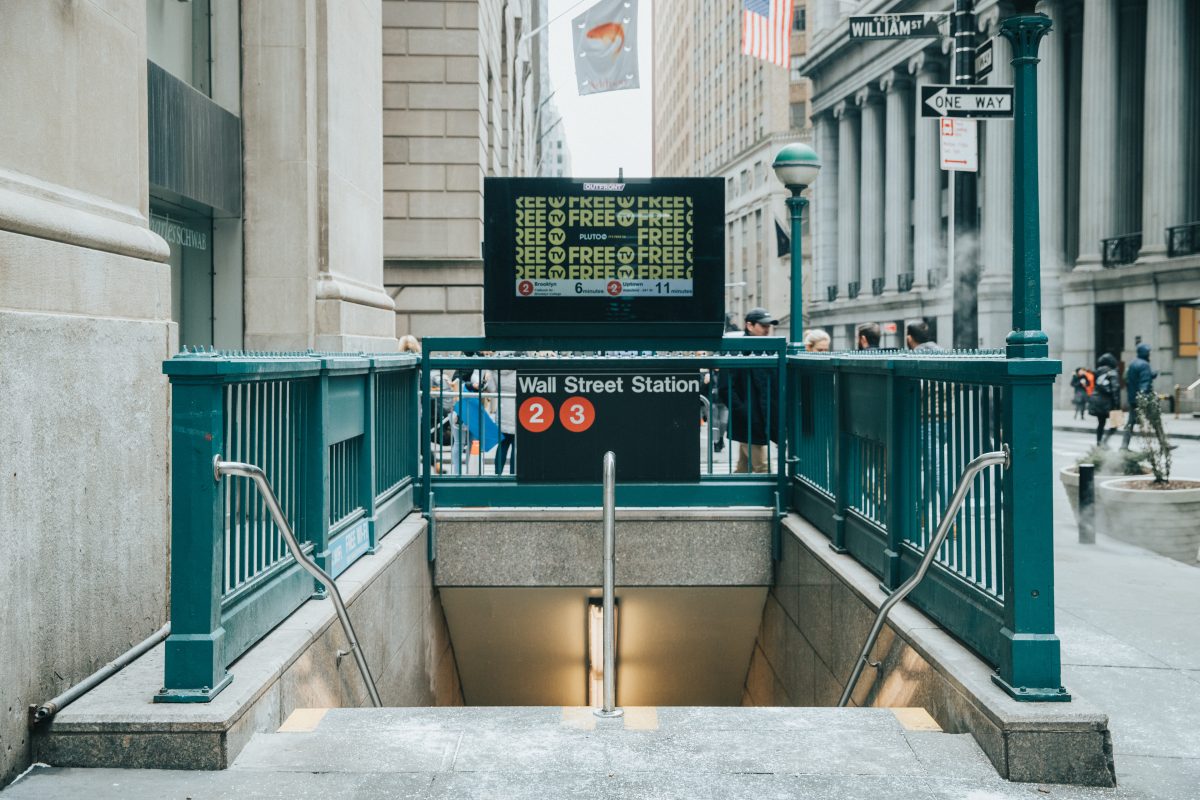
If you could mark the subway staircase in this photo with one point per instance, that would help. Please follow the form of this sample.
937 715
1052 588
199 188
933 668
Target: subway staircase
548 753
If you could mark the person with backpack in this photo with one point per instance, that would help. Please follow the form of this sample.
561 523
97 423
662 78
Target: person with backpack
1106 396
1139 380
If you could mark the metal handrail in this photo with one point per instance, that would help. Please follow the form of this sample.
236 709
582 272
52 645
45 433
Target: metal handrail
610 568
48 709
1000 457
237 468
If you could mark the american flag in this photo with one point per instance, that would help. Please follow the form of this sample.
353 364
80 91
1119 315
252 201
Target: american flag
767 30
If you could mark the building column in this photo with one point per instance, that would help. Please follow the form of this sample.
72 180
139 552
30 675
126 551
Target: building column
995 224
1164 175
928 247
825 204
1098 138
1052 167
871 189
825 13
897 178
848 187
314 264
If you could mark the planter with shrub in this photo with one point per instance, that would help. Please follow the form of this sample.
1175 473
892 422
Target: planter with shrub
1156 511
1108 463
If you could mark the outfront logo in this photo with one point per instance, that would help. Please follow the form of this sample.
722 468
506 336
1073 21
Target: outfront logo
604 187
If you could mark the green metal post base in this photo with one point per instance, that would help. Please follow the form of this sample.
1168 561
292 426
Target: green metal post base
202 695
1033 694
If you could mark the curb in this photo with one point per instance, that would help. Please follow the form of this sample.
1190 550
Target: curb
1081 429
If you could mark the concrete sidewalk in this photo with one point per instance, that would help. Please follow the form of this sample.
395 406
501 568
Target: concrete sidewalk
1130 642
1185 427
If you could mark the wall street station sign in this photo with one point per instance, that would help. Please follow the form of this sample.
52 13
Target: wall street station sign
894 26
603 258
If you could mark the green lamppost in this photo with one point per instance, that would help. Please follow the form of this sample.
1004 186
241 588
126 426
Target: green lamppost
1028 662
796 167
1025 32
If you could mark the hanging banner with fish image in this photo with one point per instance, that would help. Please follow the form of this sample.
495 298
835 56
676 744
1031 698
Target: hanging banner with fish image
605 39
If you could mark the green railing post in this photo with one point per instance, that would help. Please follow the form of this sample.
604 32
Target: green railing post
195 660
1026 339
783 484
316 482
369 484
1029 667
411 409
900 420
841 475
425 443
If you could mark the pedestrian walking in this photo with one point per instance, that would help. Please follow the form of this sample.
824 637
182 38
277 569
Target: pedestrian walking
1139 380
919 338
504 382
1106 397
1079 382
753 406
816 341
868 336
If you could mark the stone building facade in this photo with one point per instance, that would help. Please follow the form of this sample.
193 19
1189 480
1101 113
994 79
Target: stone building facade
461 92
1117 90
203 173
718 112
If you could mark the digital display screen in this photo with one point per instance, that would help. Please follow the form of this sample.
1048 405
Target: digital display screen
604 258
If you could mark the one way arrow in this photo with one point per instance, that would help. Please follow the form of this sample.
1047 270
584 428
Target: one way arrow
970 102
937 101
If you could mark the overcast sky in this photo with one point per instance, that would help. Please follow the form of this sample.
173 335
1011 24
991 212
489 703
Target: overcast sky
609 130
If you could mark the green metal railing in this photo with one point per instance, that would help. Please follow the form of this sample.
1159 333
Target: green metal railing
335 434
871 446
880 441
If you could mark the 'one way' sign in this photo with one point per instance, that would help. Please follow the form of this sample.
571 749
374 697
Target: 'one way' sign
966 101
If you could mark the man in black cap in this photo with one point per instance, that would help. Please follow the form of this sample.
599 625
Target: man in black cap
753 405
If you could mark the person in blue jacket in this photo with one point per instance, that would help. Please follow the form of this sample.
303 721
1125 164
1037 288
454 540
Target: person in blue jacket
1139 379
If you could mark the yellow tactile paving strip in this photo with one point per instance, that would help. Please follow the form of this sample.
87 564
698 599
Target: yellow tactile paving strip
916 719
303 720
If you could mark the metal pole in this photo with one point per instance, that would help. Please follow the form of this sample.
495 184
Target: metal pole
49 708
610 569
1027 340
222 468
979 464
964 213
796 204
1087 504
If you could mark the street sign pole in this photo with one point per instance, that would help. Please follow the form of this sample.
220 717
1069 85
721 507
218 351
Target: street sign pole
964 221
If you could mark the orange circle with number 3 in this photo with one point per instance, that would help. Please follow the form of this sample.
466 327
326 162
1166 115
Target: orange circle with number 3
536 414
577 414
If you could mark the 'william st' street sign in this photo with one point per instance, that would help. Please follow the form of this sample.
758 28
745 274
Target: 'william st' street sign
893 26
968 101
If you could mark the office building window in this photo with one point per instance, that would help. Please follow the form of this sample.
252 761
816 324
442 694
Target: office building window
799 19
799 112
795 74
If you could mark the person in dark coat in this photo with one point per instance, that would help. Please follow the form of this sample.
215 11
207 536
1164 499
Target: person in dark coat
1139 380
1106 395
753 402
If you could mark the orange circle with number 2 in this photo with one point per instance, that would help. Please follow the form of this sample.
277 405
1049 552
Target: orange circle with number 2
536 414
577 414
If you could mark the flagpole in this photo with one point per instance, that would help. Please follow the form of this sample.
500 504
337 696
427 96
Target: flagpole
527 36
